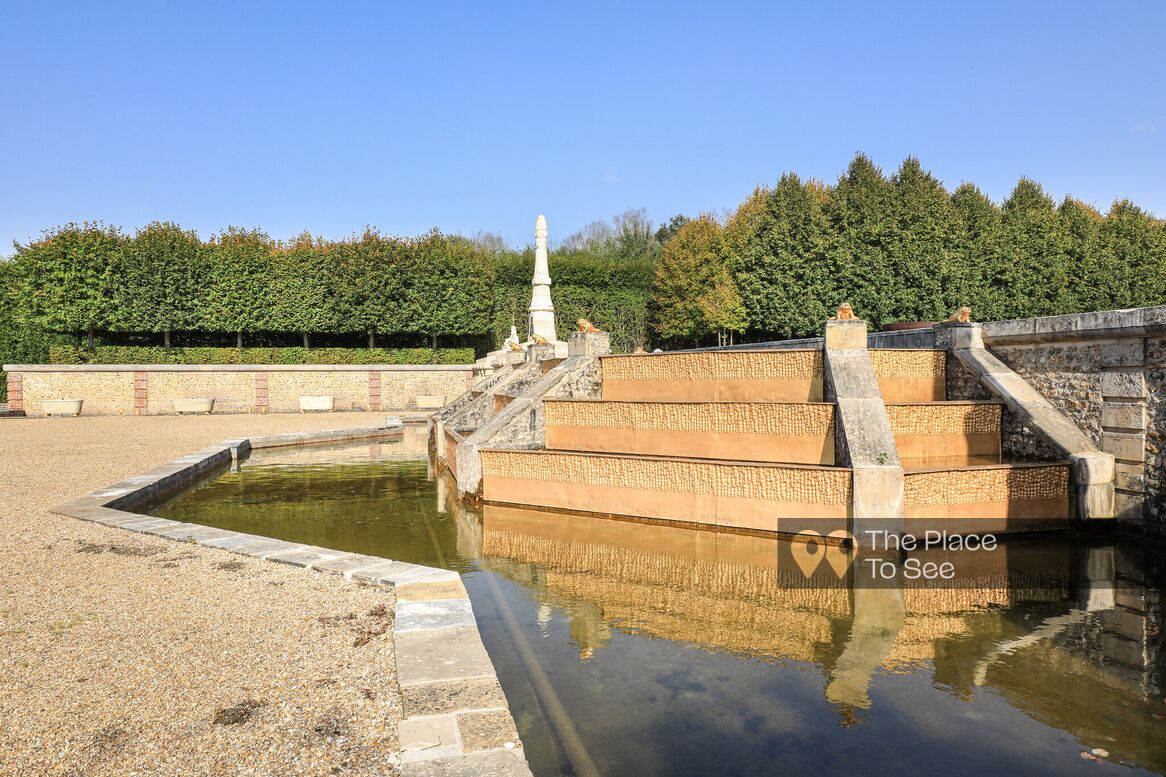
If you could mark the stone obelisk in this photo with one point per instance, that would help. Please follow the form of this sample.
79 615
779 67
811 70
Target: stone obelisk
541 320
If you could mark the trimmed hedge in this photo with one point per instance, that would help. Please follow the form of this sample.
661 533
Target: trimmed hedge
114 354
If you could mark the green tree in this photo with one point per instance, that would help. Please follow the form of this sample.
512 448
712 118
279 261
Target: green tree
972 276
447 287
1094 279
694 294
66 277
1136 243
922 241
155 283
780 245
859 211
237 290
302 288
1034 275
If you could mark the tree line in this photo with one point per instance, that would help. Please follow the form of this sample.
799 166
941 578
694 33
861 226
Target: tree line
900 248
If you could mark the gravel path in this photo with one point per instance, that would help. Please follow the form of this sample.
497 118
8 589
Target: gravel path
122 654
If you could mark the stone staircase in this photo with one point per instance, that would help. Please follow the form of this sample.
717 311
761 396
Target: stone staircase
751 440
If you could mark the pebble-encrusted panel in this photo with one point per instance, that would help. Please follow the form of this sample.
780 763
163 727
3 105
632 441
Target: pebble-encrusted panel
824 486
977 486
895 364
774 418
722 365
944 419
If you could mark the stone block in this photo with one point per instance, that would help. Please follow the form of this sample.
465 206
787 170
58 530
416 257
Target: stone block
1123 385
845 335
423 739
588 344
414 592
486 730
435 614
1123 415
1123 353
489 763
1127 507
1130 477
435 655
1125 446
448 696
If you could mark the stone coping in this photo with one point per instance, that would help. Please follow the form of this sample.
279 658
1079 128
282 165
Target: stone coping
751 348
681 401
1002 465
948 403
454 718
238 368
1130 322
657 457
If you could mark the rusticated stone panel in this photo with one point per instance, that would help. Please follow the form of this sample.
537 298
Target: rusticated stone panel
770 418
910 375
723 365
897 364
945 419
982 486
827 486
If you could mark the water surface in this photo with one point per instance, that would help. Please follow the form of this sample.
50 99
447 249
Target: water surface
672 651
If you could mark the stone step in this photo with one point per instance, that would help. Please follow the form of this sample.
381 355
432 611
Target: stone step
946 434
910 375
741 495
712 376
995 498
792 433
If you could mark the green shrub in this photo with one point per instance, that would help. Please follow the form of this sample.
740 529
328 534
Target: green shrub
135 354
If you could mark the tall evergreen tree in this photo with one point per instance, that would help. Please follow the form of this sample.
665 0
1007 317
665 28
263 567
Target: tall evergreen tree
1135 242
973 275
859 211
1035 272
780 245
1093 276
921 248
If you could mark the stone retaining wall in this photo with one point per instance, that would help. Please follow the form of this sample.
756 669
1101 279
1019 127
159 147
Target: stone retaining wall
148 389
1107 372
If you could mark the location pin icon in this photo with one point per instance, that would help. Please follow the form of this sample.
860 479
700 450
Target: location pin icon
841 557
807 554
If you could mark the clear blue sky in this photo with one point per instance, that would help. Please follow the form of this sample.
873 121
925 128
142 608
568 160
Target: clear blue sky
329 116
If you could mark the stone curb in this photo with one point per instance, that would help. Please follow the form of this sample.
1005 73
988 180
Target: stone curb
455 719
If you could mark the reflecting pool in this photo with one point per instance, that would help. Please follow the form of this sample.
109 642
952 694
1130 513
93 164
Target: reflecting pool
635 649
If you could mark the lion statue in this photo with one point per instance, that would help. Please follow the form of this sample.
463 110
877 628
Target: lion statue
845 313
514 345
961 316
539 340
586 326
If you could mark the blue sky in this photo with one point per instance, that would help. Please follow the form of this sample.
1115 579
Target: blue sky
329 116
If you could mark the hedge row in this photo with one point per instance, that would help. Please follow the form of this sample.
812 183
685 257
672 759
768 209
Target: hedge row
113 354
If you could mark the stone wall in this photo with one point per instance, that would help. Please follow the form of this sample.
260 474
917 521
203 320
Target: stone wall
1107 372
150 389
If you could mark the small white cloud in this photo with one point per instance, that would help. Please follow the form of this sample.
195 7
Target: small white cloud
1148 127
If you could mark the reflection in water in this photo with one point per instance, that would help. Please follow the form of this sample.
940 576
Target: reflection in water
665 650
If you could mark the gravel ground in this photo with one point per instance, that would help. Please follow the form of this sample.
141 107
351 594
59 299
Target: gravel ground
122 654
